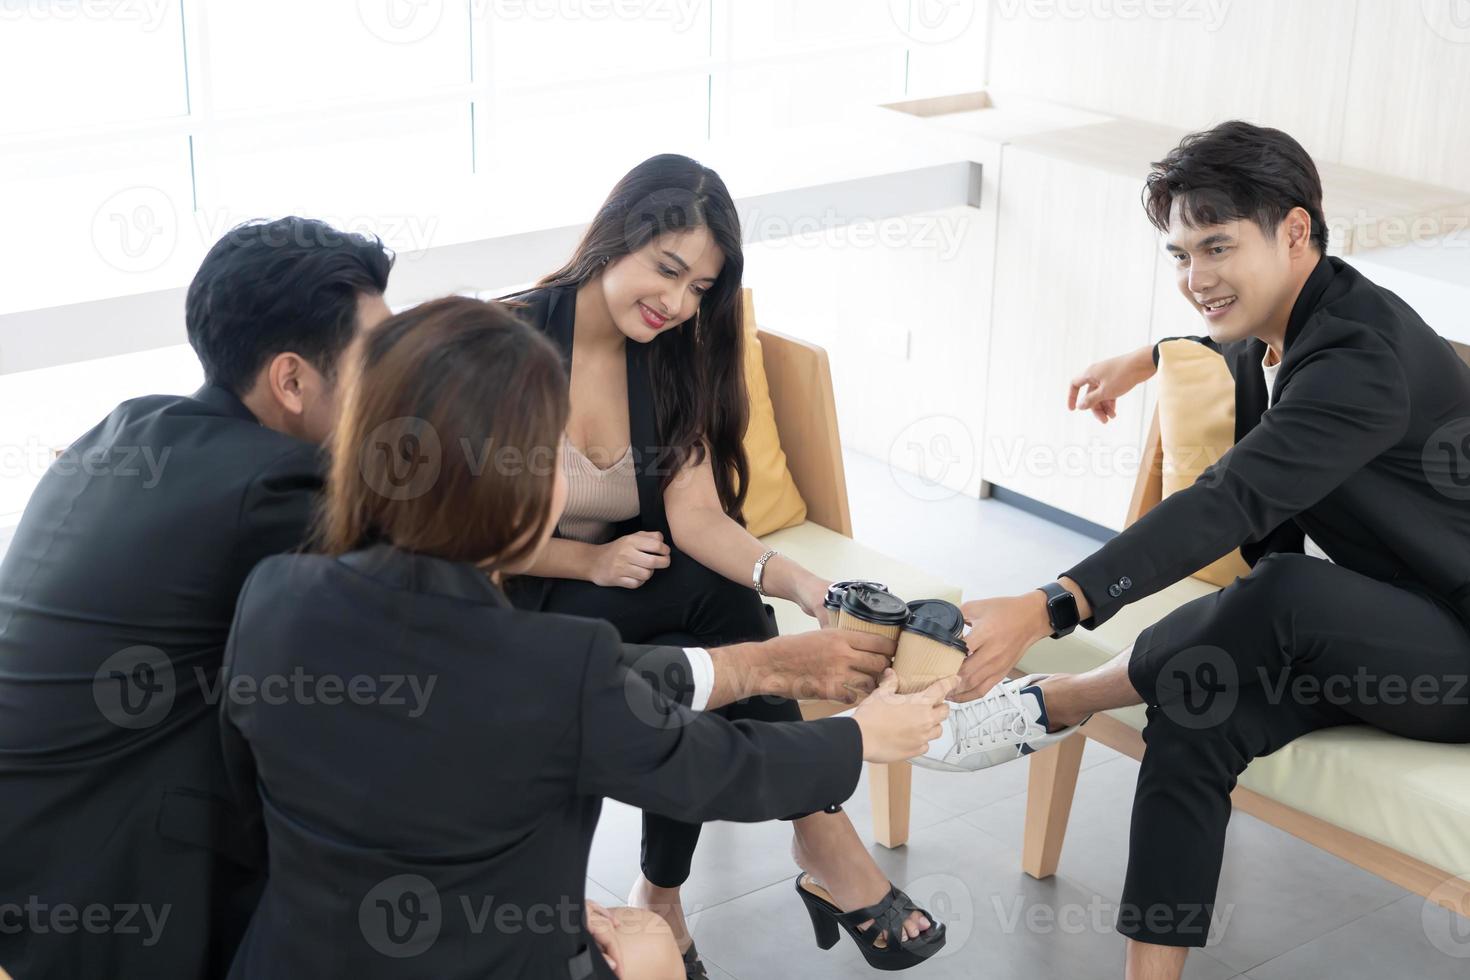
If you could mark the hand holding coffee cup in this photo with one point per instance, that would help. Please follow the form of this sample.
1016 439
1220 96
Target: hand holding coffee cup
930 646
896 727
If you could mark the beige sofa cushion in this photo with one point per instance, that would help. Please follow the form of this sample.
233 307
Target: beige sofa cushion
836 556
1411 796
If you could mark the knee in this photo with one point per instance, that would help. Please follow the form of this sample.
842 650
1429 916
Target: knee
725 611
1191 750
647 944
1237 636
1276 583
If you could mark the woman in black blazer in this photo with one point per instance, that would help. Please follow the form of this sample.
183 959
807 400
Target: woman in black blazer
647 316
428 762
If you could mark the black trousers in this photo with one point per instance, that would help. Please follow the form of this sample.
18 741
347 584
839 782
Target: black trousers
1297 645
684 605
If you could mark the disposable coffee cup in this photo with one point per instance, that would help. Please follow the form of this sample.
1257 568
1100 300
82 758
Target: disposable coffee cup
930 646
866 609
837 590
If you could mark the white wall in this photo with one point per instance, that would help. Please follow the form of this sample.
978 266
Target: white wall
1378 84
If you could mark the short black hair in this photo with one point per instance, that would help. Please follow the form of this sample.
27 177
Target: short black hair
268 287
1236 171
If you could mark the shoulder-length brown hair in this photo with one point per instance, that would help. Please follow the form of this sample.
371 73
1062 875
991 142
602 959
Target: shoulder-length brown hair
698 370
447 443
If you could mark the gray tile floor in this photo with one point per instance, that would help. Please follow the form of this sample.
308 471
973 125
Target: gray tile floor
1286 911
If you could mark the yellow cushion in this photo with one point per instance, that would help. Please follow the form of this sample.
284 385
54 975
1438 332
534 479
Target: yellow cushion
773 502
1197 427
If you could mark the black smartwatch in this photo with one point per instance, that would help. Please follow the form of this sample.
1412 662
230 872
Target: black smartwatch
1061 609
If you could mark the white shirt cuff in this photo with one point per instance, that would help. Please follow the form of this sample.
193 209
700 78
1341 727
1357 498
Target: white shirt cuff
702 669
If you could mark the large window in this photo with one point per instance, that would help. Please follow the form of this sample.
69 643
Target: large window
133 133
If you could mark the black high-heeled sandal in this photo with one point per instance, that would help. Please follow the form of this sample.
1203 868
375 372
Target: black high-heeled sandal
888 916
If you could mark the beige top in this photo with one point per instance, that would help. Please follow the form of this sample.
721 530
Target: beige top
597 498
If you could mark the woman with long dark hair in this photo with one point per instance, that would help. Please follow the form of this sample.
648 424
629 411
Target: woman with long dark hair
389 715
647 316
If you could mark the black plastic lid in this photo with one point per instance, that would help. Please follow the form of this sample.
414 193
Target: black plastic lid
874 605
937 620
837 590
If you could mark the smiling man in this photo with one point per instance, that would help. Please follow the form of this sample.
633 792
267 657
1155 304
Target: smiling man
1344 492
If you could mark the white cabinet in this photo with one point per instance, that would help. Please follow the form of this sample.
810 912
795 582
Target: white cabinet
1074 276
902 306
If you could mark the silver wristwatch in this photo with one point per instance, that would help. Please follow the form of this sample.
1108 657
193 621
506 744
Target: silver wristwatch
760 571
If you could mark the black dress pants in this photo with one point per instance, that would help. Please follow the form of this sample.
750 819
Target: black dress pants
1297 645
684 605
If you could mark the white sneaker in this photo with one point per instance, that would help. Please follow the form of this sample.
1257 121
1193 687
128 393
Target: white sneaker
1005 724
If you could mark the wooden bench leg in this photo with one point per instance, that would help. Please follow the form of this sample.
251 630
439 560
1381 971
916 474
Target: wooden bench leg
1048 805
891 787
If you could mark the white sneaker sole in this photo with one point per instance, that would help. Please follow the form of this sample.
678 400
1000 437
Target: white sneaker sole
997 756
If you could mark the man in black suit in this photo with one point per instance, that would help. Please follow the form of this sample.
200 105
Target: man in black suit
1348 492
116 596
122 853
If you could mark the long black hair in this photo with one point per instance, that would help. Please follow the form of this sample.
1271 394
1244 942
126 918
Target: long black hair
697 370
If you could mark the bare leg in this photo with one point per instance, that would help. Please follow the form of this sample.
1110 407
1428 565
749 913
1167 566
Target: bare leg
826 847
1072 697
664 902
1147 961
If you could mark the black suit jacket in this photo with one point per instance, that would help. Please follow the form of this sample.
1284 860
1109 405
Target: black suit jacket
446 835
1364 448
116 596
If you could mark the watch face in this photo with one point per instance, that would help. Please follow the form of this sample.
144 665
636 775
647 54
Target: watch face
1062 609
